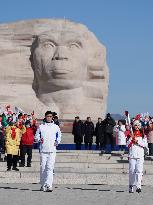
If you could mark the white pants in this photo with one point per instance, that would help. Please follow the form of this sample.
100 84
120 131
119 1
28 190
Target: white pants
135 171
47 161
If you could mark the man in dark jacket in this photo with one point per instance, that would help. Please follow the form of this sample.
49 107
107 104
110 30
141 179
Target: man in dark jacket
99 133
78 131
88 133
56 120
109 124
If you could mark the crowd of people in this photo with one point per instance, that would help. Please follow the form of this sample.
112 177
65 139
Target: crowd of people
135 134
19 130
123 129
17 137
108 132
84 132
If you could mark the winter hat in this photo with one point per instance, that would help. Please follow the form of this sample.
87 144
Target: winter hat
138 123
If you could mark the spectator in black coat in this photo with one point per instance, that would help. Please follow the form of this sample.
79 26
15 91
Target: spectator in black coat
56 120
78 132
88 133
99 133
109 124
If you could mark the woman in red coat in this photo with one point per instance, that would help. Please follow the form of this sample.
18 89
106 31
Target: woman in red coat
27 141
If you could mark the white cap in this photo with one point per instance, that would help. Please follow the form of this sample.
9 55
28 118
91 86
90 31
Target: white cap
137 122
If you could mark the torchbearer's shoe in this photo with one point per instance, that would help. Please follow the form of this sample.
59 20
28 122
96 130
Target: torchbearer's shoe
8 169
138 190
43 188
48 189
131 190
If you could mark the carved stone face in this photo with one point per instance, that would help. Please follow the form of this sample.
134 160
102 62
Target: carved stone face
59 61
70 70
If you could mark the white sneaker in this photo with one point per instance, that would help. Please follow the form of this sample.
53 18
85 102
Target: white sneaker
48 189
43 188
131 190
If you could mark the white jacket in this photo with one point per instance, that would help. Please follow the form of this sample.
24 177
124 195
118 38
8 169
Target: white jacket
121 135
47 134
137 150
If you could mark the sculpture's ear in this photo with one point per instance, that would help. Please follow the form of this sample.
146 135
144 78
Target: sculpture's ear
97 67
96 72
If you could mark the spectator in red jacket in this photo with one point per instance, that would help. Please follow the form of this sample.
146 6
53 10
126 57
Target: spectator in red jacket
27 141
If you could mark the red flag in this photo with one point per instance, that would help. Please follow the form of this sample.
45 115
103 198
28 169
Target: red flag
32 114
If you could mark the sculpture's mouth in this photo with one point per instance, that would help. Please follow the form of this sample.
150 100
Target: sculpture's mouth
61 71
59 58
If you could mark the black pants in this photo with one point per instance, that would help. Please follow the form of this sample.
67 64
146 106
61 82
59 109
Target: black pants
26 149
2 146
88 145
78 146
122 147
109 139
100 146
12 161
150 145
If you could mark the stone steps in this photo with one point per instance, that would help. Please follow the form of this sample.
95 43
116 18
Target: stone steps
80 167
89 159
74 178
102 168
74 159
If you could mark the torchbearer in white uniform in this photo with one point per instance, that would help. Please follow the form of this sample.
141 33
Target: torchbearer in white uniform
49 136
136 144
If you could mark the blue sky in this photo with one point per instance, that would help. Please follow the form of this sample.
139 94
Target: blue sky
125 27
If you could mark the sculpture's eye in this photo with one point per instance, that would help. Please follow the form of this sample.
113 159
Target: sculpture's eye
74 45
49 45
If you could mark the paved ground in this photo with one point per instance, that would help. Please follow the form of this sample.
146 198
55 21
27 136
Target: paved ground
23 194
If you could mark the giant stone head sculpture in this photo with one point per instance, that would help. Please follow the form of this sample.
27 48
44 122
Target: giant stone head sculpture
67 71
70 70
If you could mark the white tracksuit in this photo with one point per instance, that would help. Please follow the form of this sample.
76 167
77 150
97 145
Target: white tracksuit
121 135
136 160
47 134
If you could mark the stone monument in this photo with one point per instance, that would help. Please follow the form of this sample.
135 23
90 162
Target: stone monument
53 64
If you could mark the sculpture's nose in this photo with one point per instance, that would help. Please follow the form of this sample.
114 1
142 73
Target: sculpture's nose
60 53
